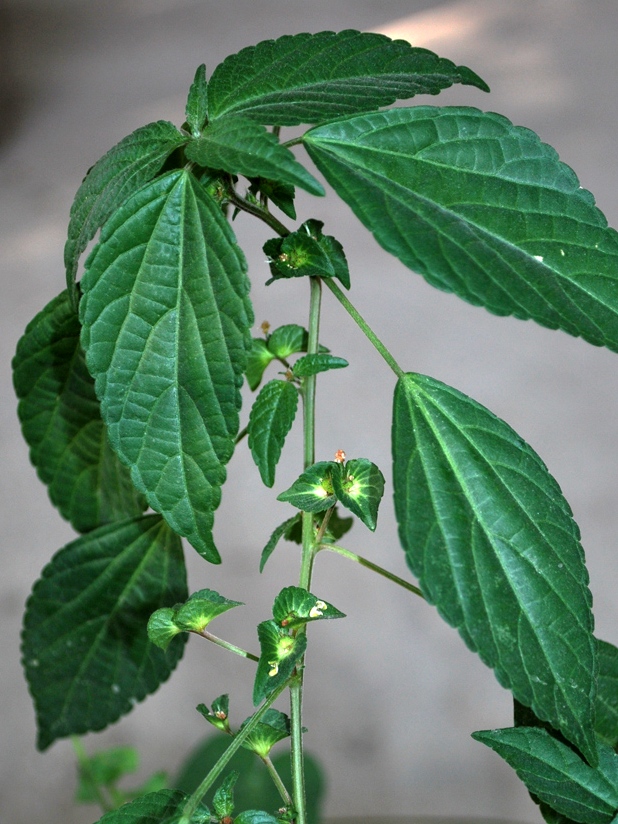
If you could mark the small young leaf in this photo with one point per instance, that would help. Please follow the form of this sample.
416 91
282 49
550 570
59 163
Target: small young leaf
196 111
112 180
295 607
241 146
104 769
279 654
270 420
481 208
493 543
276 536
223 800
554 773
606 721
281 194
337 527
359 486
259 358
312 364
61 422
85 626
274 727
166 319
306 78
154 808
200 609
313 490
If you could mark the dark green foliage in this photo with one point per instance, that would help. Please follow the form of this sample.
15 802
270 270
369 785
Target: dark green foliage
166 322
85 649
307 78
271 418
61 422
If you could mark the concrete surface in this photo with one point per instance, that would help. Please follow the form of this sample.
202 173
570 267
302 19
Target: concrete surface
86 74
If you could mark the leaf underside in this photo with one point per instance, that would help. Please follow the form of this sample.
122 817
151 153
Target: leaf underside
61 422
481 208
116 176
307 78
493 543
85 649
166 319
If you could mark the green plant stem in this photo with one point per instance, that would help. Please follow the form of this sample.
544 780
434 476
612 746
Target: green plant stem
346 553
196 797
364 326
86 770
308 554
282 789
226 645
257 211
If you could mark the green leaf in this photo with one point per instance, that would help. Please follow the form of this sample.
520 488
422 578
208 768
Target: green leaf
241 146
557 775
313 490
274 727
255 787
162 628
312 364
223 799
61 422
255 817
288 340
281 194
112 180
104 769
493 543
295 607
153 808
271 418
606 722
166 320
306 78
280 652
307 253
197 102
481 208
359 486
85 649
276 536
259 358
201 608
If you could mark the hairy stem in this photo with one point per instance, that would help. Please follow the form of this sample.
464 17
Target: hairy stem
308 553
196 797
281 788
364 326
346 553
257 211
226 645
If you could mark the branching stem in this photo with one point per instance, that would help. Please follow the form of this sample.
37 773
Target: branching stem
364 326
346 553
226 645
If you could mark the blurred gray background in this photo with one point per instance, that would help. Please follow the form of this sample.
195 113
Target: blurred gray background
392 694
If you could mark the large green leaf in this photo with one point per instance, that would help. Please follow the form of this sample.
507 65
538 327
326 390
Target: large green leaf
155 808
493 543
241 146
481 208
85 649
306 78
112 179
556 775
166 319
271 418
61 422
606 722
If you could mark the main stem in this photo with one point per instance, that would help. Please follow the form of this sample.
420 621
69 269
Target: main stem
308 554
